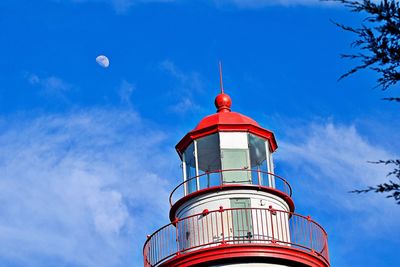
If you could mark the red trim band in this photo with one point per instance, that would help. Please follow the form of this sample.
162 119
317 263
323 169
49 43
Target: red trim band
237 253
195 134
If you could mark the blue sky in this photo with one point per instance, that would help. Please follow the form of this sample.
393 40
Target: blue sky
87 156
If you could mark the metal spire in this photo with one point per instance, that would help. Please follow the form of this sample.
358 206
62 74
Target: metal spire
221 83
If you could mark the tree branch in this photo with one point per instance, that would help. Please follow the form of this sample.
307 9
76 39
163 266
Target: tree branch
378 37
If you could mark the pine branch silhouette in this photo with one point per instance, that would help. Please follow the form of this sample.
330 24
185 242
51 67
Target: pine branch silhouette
378 38
390 187
378 42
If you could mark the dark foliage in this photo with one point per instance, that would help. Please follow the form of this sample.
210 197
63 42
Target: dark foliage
378 39
391 187
395 99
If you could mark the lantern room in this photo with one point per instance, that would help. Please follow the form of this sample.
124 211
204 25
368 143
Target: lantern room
227 141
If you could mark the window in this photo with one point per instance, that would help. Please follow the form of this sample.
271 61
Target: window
270 164
258 159
190 168
242 222
235 159
209 160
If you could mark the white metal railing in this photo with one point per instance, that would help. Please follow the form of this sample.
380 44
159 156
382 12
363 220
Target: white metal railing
245 226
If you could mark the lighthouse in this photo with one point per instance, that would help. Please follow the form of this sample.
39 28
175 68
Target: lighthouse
230 209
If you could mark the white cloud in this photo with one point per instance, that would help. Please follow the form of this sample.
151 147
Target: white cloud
188 84
324 162
123 6
265 3
120 6
125 92
50 83
191 80
82 189
184 105
334 151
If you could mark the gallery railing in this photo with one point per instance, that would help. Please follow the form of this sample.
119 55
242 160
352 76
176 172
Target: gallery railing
244 226
220 178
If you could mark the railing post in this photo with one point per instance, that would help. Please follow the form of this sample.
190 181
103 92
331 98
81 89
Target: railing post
271 211
145 255
146 251
326 247
176 221
221 212
311 237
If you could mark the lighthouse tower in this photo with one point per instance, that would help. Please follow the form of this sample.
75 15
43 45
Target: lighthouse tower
231 209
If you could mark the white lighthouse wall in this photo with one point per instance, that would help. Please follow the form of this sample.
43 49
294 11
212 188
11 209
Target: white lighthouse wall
213 201
258 223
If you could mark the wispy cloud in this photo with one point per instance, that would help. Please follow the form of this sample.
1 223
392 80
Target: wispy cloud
122 6
266 3
184 105
82 189
49 83
125 92
327 160
189 83
189 79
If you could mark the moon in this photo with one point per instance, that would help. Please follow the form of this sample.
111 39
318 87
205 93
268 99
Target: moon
103 61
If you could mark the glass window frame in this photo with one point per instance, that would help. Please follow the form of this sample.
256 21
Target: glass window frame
270 165
260 178
187 183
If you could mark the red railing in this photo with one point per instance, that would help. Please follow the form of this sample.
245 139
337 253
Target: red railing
216 178
245 226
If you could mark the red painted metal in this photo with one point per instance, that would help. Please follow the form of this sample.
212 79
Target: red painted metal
230 118
236 253
225 121
267 229
223 103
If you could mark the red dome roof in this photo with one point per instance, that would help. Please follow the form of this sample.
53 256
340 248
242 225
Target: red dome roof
225 121
232 118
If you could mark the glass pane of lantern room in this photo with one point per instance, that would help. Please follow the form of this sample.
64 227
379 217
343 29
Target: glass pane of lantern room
190 163
234 156
258 156
235 159
208 160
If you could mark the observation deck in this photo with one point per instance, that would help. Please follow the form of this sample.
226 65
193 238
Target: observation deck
226 234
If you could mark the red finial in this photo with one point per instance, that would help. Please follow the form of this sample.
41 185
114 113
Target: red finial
223 102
